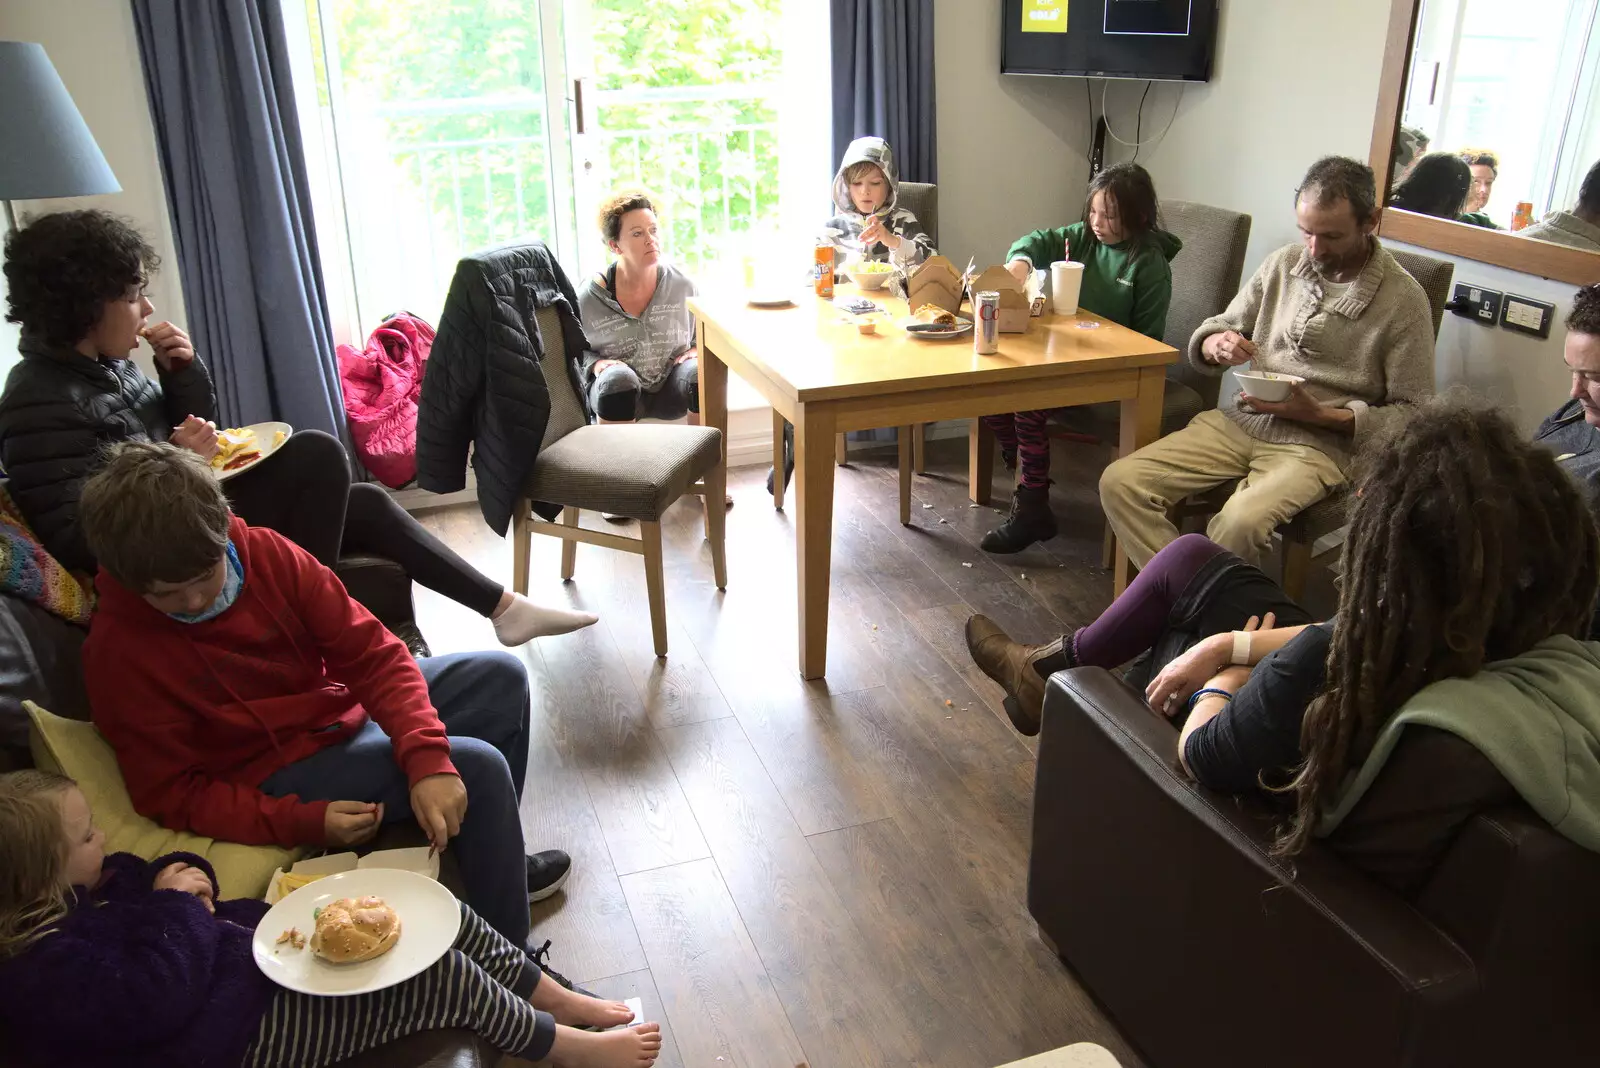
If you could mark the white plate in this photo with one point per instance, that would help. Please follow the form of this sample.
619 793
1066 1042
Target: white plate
962 328
430 918
265 435
769 300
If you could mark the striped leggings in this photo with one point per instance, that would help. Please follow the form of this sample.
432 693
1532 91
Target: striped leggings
1023 435
482 984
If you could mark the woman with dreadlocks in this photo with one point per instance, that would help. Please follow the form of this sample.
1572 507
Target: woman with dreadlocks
1467 546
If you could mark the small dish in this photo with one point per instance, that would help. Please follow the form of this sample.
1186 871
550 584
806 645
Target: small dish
1266 385
871 275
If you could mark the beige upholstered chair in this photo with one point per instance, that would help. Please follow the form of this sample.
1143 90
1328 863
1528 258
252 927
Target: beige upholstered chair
922 200
1301 533
636 471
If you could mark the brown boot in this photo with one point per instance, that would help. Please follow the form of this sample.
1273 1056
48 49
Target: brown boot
1020 669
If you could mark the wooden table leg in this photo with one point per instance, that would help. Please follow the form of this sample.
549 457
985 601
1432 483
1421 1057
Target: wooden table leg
907 456
980 461
714 412
1141 424
778 423
813 491
919 448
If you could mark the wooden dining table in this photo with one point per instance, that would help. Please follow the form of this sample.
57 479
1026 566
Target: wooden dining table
815 369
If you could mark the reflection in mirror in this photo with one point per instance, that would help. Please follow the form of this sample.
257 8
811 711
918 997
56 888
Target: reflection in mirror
1502 106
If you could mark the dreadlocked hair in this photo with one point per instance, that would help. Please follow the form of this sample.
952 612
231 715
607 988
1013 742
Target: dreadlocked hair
1466 545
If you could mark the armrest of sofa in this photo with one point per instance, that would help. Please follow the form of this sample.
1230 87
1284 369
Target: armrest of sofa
379 585
1166 899
1520 898
427 1049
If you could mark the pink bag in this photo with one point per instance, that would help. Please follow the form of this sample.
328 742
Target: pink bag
381 385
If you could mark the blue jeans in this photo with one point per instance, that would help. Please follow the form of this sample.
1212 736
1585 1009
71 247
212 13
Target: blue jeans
482 700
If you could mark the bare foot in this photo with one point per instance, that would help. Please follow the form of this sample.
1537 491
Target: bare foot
577 1010
632 1047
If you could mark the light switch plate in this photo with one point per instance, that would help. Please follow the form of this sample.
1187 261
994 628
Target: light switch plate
1526 315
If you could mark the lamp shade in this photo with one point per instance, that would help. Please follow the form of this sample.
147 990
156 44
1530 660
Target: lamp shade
46 149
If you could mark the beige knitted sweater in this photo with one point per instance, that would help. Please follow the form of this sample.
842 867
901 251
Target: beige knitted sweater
1371 352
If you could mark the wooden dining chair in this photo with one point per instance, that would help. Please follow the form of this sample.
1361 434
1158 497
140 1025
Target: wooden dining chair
632 470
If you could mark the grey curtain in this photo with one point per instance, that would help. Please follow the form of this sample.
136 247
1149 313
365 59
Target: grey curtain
217 74
883 80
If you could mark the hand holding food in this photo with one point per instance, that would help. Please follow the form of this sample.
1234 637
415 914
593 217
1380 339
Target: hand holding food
1020 269
351 823
199 436
1229 348
439 803
875 233
172 347
354 929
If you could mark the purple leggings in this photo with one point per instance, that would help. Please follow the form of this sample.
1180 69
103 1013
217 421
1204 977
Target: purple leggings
1023 434
1136 619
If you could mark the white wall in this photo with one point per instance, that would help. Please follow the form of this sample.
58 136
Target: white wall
1292 82
1523 374
1012 150
93 47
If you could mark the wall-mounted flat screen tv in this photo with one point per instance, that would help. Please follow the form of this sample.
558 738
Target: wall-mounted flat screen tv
1159 40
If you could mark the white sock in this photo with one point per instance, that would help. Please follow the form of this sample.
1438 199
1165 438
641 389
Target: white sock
523 621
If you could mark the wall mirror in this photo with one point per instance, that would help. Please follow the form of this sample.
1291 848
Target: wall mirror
1488 120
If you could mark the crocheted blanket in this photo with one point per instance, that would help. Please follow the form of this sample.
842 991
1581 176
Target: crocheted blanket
29 572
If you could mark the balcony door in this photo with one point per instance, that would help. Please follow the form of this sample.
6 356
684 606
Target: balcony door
435 128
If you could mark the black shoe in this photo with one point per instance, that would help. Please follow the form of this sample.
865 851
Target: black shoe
547 873
1030 520
788 458
416 644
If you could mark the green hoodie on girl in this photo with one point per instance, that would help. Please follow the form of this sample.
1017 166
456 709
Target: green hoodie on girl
1130 283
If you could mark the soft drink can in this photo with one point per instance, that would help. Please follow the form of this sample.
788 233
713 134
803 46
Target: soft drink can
986 322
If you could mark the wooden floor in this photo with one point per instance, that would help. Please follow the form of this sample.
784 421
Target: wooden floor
828 874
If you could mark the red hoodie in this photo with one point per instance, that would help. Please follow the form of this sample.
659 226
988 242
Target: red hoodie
201 713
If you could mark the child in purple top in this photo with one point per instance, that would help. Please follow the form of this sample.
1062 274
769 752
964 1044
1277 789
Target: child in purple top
109 959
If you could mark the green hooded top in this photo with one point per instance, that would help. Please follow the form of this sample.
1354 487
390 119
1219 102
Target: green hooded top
1535 716
1130 283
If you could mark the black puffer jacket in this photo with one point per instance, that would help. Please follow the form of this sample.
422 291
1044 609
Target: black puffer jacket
483 386
59 412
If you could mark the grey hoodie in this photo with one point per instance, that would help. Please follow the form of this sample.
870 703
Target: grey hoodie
843 231
648 344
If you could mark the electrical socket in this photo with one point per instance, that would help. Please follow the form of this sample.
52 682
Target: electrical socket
1475 302
1527 315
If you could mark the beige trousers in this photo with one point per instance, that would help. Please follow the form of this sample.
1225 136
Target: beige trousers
1278 482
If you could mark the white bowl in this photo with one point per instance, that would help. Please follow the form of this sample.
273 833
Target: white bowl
1265 385
868 280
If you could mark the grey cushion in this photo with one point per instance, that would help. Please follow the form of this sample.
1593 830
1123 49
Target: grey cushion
1179 404
922 200
1205 277
1324 517
566 407
1433 275
636 470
